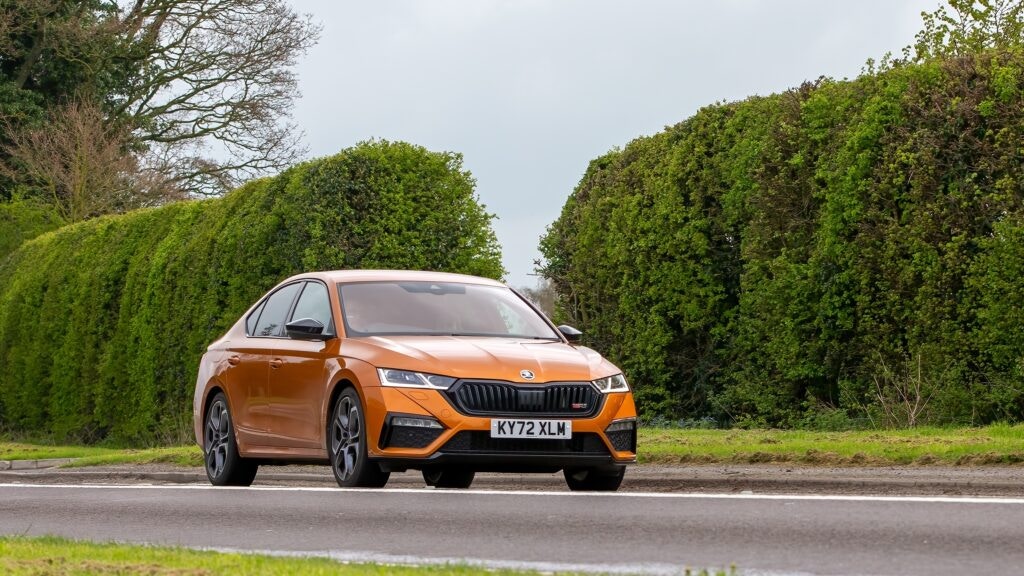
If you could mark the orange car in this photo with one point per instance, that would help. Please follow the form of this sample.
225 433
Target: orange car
379 371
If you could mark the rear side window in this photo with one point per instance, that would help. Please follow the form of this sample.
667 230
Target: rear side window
316 304
271 322
250 322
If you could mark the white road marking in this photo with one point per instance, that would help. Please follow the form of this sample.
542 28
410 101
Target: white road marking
470 493
351 557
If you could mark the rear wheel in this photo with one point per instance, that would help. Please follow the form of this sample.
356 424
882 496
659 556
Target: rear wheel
347 446
224 466
594 479
448 477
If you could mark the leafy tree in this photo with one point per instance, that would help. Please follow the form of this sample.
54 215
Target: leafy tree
971 27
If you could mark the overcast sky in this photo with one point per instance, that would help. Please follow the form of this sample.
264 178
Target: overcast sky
530 91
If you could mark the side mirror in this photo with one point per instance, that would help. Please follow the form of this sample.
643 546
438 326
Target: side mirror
571 334
306 329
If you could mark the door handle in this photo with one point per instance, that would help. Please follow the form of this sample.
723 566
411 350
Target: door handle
276 363
234 360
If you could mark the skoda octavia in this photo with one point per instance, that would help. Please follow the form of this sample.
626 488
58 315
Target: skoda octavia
379 371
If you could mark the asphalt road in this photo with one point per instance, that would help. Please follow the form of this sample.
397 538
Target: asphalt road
810 534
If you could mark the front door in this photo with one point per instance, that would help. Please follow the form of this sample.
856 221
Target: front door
248 375
299 374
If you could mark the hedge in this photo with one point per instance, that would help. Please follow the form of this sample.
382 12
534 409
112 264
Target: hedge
22 220
844 253
102 323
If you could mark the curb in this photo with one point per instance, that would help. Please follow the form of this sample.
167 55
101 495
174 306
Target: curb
34 464
696 479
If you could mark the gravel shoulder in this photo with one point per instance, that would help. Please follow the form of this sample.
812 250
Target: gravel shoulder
708 478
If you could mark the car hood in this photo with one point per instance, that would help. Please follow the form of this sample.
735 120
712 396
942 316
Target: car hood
484 358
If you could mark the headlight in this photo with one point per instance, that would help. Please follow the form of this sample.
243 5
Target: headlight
406 379
616 383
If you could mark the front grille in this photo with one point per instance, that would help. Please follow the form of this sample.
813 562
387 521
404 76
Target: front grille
623 440
481 441
487 398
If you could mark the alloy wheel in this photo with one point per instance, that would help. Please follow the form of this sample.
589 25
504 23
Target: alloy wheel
346 437
218 431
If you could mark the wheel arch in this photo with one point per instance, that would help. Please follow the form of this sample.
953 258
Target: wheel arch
343 383
211 393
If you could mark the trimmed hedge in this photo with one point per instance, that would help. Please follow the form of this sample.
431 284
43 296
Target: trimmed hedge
815 256
102 323
22 220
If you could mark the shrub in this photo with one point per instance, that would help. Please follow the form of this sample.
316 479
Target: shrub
22 220
771 255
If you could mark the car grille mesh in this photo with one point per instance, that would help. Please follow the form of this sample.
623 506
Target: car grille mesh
409 437
481 441
574 399
623 440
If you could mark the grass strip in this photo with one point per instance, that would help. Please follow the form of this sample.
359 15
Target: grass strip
20 556
995 444
97 455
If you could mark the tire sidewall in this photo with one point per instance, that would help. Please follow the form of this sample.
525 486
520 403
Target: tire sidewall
359 472
232 459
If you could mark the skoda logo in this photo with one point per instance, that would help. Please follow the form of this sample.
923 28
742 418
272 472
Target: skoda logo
526 374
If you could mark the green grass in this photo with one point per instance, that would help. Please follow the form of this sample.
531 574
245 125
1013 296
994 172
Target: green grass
95 455
996 444
56 556
28 451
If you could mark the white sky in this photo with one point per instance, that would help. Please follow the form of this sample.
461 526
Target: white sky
529 91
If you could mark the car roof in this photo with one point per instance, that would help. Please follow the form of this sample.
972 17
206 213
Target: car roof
395 276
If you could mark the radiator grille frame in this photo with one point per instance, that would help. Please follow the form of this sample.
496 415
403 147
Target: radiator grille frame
549 400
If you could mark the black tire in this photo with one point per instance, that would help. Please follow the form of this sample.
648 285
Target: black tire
224 466
448 477
346 445
594 479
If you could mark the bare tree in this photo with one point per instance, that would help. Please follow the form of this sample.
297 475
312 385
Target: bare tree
213 102
204 86
79 159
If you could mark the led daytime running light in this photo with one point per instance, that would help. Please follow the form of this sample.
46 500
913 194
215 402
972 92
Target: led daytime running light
616 383
407 379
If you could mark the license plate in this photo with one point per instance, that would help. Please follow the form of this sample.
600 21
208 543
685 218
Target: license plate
505 428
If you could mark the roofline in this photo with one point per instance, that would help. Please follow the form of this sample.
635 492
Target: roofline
337 276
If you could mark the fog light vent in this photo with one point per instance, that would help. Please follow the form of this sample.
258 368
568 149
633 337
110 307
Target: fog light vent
622 435
404 431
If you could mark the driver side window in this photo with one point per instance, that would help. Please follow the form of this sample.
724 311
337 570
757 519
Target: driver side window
316 304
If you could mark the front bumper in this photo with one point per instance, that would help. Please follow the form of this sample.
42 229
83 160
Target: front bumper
465 440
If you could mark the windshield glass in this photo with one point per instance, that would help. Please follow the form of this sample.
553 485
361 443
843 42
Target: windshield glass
438 309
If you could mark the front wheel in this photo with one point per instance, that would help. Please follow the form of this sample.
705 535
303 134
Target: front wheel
224 466
347 446
594 479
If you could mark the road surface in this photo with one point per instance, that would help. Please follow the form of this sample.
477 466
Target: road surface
654 533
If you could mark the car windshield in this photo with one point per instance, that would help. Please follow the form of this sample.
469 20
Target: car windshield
439 309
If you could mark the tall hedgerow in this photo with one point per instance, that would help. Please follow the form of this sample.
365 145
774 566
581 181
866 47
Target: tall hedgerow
23 219
102 323
847 249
